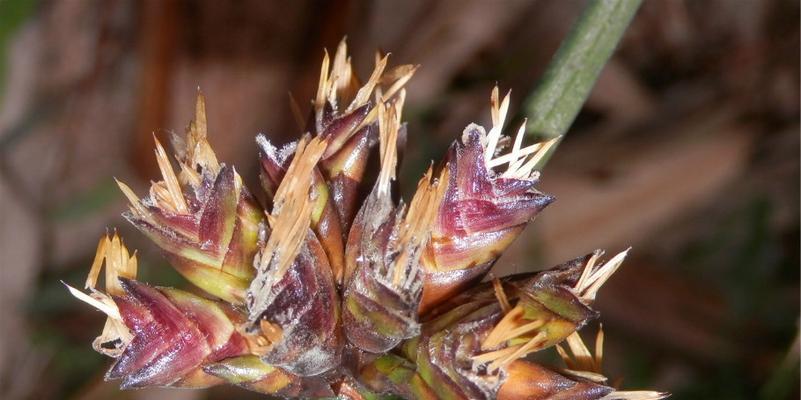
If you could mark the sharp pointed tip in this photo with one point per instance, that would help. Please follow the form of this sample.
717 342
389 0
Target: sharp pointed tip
217 370
129 383
623 254
127 284
112 374
547 200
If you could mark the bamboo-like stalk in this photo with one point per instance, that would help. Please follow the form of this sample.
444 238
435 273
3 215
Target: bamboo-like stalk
571 74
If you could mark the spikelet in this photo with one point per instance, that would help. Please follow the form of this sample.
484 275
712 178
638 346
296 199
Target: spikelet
203 218
294 288
383 279
485 207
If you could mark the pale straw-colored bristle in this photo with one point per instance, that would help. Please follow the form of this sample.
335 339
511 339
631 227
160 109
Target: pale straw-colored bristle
635 395
581 358
581 353
197 151
175 195
566 358
518 155
586 375
388 126
161 196
498 110
118 262
340 75
507 323
526 170
189 176
589 268
599 348
286 238
522 330
97 264
520 160
366 91
582 364
291 215
396 78
135 204
534 344
201 126
592 278
500 294
338 85
399 76
511 326
322 86
495 355
298 177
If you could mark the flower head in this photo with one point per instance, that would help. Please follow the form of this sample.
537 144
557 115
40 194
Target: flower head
326 293
203 218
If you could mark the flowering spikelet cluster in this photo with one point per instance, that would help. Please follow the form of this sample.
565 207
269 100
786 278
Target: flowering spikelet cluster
332 286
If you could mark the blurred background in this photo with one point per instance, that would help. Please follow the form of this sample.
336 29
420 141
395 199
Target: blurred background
687 150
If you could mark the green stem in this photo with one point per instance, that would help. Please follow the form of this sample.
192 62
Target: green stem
782 381
575 67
